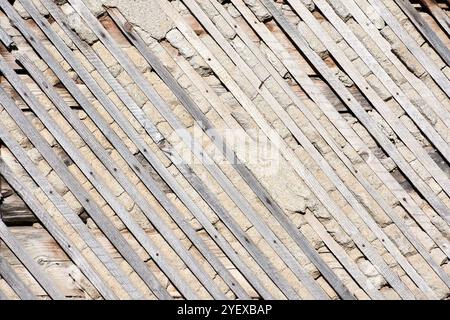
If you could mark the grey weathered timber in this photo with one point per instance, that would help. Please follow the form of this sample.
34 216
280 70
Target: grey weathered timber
197 150
312 151
303 172
84 198
429 34
359 112
438 14
53 229
412 46
68 213
186 170
397 126
361 178
11 277
404 198
6 39
134 163
31 265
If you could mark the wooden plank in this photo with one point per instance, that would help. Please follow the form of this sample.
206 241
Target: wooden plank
403 197
351 102
83 197
134 163
438 14
314 153
28 262
425 29
49 224
162 107
5 38
299 168
412 46
72 218
187 171
14 281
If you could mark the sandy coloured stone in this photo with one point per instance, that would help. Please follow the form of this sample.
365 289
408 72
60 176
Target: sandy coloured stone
340 9
312 39
258 9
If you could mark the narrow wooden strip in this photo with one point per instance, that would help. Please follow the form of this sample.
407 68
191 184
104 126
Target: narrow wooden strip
162 107
5 38
128 156
412 46
343 127
393 186
84 198
67 245
425 29
438 14
27 261
72 218
186 171
11 277
312 151
397 126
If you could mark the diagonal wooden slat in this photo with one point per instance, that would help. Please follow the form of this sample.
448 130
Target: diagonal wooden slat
397 126
5 38
32 267
11 277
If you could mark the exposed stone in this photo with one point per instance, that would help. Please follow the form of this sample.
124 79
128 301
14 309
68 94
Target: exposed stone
273 59
312 40
399 239
340 9
371 272
258 9
77 24
155 25
378 86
